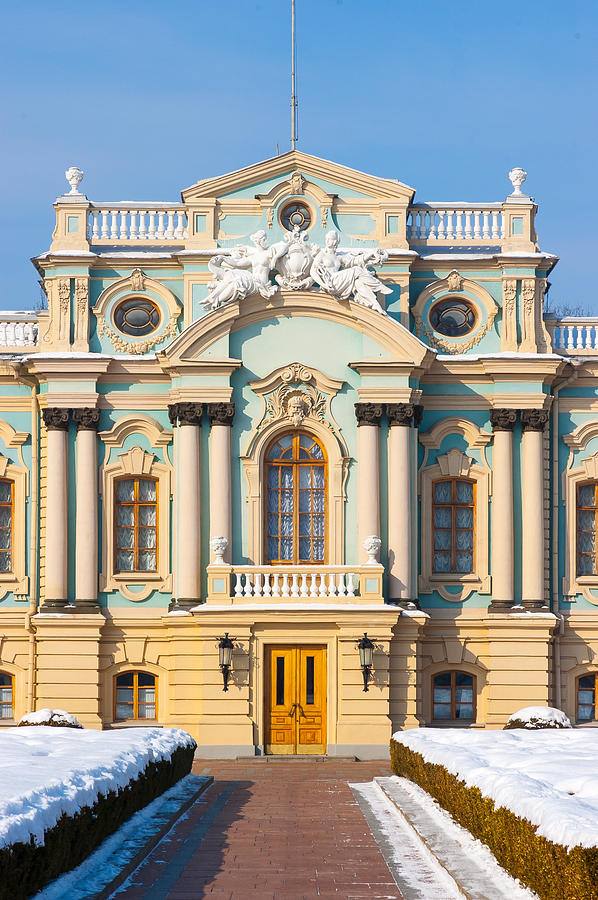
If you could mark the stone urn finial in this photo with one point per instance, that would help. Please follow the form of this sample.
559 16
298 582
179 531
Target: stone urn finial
517 176
74 176
372 545
218 547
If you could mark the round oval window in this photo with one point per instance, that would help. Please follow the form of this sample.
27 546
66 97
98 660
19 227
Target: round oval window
453 317
296 215
137 316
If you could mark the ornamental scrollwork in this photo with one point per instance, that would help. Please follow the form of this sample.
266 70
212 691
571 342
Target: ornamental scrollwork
296 403
137 347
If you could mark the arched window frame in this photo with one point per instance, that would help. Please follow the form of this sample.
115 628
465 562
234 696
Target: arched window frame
454 504
574 476
135 586
296 462
16 580
135 717
455 464
453 718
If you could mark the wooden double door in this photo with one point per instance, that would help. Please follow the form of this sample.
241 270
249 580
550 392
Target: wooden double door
295 700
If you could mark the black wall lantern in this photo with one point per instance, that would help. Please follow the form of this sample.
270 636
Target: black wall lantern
366 658
225 657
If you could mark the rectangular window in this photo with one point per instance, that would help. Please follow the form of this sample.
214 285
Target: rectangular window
586 698
586 529
453 526
6 519
280 680
453 696
309 681
136 525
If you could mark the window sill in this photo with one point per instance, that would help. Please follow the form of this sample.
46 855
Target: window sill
8 723
137 723
454 723
137 577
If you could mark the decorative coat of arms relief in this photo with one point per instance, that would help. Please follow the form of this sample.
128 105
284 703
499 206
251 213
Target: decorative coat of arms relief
297 265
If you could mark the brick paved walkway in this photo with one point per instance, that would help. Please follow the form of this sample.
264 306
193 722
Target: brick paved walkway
271 830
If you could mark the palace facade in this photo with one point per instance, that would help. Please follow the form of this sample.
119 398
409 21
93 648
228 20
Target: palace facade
294 409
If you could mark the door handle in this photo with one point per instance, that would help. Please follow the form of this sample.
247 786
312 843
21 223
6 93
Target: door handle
301 708
291 709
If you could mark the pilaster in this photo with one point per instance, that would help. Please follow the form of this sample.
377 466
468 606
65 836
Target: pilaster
368 421
187 504
56 420
533 422
503 561
400 543
87 421
221 417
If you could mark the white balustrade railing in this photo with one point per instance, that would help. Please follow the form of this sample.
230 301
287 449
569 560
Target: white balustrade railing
18 329
574 334
299 582
156 223
455 223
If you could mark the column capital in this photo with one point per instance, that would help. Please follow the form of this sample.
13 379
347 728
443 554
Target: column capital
185 413
368 413
503 419
56 418
533 419
401 413
221 413
86 418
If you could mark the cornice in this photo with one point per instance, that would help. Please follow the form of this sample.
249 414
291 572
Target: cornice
393 367
202 367
65 367
307 165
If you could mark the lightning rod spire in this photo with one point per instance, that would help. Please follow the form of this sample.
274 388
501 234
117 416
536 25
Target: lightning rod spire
293 94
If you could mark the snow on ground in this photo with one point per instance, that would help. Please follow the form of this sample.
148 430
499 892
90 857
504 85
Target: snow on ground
47 771
547 776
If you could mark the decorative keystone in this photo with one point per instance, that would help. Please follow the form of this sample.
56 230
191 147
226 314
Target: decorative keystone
74 176
372 545
56 418
533 419
86 418
503 419
218 547
221 413
368 413
517 176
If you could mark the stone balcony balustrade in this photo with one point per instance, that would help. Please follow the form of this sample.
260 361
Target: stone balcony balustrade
294 584
18 330
574 335
456 224
138 223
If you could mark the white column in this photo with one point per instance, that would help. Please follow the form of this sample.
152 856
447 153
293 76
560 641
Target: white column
368 467
503 421
221 419
86 519
56 587
532 553
188 502
400 543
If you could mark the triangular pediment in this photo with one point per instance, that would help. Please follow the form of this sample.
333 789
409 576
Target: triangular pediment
281 166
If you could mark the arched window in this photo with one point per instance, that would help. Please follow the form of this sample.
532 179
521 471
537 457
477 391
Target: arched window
587 507
296 481
587 698
453 696
135 696
136 547
453 525
6 524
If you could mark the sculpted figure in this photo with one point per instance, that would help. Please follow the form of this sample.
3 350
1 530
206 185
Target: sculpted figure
345 275
233 281
295 263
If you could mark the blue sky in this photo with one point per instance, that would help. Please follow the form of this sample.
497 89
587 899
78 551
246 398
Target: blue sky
149 97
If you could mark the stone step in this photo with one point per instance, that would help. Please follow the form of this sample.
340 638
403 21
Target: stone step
476 882
303 757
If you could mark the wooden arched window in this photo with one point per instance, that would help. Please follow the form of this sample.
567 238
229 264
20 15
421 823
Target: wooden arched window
135 696
587 507
453 696
587 698
6 696
296 514
453 509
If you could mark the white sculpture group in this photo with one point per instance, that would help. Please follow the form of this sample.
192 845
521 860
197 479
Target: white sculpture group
298 265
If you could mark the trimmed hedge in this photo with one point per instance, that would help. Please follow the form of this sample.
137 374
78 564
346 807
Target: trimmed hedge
26 868
549 869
